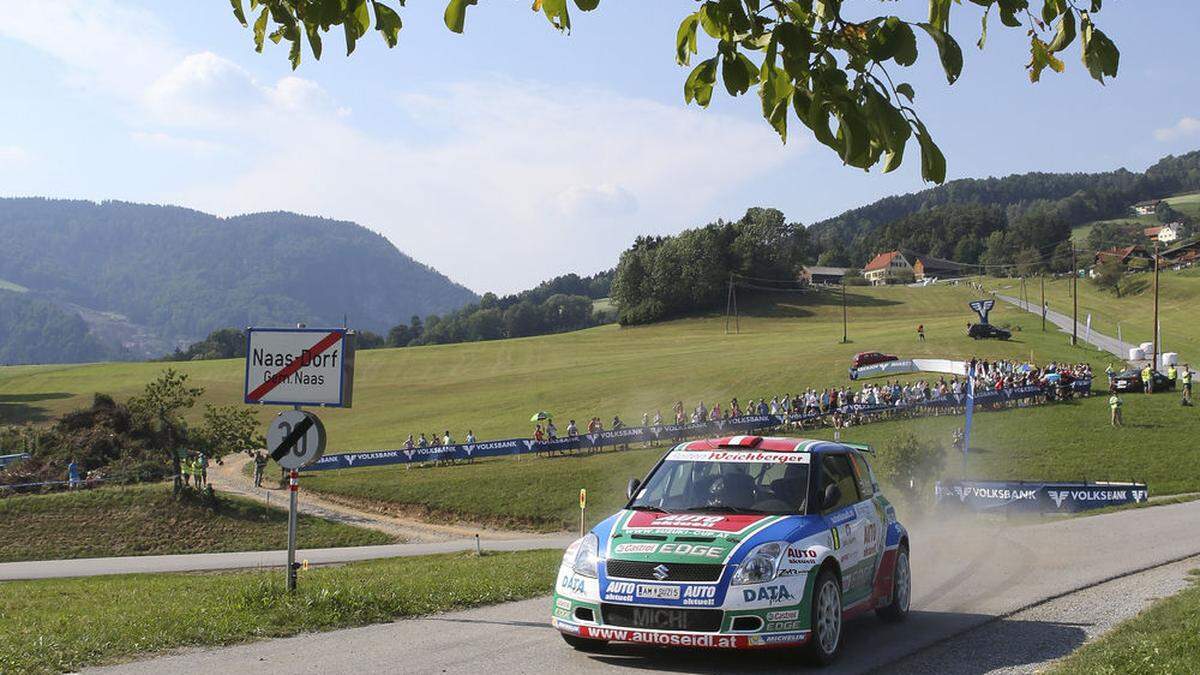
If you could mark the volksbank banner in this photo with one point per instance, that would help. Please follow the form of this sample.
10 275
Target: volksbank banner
662 432
1036 497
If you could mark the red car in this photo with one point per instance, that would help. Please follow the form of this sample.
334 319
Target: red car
867 358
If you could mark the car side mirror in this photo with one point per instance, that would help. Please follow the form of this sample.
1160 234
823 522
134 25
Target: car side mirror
833 495
632 488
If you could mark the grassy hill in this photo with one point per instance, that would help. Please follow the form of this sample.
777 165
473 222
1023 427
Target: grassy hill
146 520
1134 311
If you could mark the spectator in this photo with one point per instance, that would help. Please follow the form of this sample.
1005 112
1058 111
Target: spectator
260 464
1187 384
185 470
202 465
72 474
422 442
538 434
470 437
572 430
551 430
921 332
447 439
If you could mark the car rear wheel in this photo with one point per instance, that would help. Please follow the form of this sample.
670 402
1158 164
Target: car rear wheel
584 644
897 609
826 619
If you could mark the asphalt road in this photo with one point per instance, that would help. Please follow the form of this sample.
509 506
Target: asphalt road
199 562
966 574
1099 340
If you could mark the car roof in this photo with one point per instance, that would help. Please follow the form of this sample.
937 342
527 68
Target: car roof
764 443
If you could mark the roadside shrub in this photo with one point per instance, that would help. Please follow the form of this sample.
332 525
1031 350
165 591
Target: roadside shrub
911 466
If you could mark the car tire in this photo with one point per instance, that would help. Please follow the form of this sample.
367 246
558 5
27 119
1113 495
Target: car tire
825 619
584 644
897 609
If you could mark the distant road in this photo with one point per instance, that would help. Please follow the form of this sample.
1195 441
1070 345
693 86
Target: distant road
1051 583
1096 339
196 562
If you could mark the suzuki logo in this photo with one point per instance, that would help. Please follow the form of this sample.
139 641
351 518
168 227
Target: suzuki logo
661 572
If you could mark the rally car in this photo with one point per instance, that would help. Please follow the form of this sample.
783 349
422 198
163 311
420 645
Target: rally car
738 543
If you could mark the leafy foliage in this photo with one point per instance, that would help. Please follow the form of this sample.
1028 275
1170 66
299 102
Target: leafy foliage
564 303
1108 275
229 429
661 277
910 465
804 57
223 343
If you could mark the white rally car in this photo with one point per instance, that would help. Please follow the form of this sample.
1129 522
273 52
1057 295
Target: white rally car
738 543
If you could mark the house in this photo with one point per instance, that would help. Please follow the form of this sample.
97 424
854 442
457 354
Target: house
1187 253
927 266
815 274
1146 208
1164 233
1123 254
884 266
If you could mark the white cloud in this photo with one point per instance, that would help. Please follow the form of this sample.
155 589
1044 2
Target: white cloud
196 147
109 48
12 156
509 182
1184 128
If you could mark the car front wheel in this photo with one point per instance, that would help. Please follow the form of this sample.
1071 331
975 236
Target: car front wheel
826 619
897 609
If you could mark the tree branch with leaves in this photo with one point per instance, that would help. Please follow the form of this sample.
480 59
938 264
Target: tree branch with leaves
834 75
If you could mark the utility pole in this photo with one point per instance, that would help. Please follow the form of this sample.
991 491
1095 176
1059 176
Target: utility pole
1074 299
1043 278
1154 349
845 338
728 302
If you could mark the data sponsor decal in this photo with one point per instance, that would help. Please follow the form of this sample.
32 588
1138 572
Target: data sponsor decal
571 583
773 594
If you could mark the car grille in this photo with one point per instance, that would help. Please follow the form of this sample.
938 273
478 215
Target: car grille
662 618
638 569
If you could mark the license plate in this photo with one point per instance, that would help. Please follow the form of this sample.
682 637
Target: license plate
658 592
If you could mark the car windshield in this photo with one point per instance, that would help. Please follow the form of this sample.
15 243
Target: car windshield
684 484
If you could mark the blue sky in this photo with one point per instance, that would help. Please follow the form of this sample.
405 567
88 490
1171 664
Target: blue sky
512 153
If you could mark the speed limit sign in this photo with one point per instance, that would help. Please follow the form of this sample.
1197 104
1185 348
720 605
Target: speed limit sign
295 439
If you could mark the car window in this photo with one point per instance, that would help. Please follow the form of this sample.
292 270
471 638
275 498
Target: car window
865 479
836 469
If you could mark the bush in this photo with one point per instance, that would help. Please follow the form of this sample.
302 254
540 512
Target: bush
910 466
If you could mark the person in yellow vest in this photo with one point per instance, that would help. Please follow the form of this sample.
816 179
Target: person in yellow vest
1114 404
1187 384
1148 379
1172 374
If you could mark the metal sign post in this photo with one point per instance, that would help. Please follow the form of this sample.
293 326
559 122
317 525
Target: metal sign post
582 507
293 488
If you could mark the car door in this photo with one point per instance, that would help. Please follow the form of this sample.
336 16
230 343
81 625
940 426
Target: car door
870 512
846 525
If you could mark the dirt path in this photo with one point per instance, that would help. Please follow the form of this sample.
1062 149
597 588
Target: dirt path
231 478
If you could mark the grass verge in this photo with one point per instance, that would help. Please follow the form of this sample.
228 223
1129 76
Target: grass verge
148 520
57 625
1162 639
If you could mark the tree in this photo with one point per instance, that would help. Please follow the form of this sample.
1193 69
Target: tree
808 60
1108 274
369 340
1028 262
909 465
160 408
229 429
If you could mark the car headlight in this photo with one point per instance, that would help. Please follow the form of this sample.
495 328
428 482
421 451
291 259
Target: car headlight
761 565
587 554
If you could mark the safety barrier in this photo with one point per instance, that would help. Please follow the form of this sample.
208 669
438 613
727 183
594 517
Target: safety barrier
665 432
1041 497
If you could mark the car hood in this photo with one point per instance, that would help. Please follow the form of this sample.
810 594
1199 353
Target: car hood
713 538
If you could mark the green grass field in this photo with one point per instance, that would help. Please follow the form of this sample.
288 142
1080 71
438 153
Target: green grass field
147 520
1162 639
783 346
61 625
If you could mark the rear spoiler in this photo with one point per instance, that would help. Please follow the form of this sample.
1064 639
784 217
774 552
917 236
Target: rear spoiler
861 447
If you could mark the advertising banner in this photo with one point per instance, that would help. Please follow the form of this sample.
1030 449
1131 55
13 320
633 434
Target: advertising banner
1026 497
